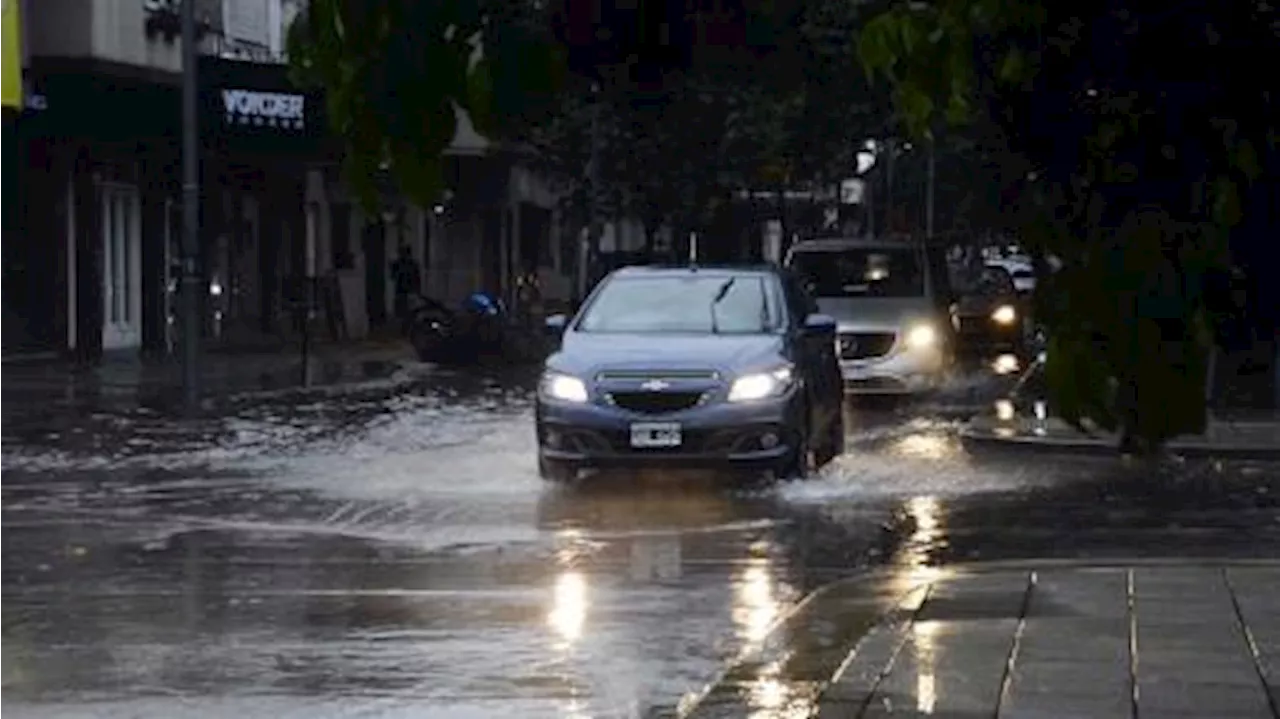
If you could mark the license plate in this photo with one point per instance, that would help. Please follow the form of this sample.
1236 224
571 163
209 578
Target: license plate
649 435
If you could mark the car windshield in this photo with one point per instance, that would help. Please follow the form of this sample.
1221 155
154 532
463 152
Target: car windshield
687 304
863 272
988 282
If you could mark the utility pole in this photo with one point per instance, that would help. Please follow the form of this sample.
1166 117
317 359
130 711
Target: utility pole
591 242
191 287
869 196
892 145
928 191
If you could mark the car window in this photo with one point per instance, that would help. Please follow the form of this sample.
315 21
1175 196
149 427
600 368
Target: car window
684 304
990 281
861 272
799 302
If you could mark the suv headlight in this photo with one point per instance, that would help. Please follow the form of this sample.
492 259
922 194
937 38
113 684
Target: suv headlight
751 387
1004 315
563 387
921 336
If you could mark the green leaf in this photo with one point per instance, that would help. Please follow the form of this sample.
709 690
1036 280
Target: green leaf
1226 210
419 174
1013 67
876 46
479 100
916 107
1245 159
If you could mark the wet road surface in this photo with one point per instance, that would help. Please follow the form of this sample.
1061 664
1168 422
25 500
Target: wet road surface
394 554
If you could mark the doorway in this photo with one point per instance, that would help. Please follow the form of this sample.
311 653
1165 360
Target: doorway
121 266
374 246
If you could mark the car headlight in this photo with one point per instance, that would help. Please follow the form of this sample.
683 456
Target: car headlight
751 387
563 387
921 337
1005 315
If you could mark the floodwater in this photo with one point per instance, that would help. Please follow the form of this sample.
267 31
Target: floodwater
392 553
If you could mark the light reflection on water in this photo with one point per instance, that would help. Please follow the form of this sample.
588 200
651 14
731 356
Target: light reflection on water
926 513
772 697
925 446
756 606
915 559
570 602
569 611
926 685
760 599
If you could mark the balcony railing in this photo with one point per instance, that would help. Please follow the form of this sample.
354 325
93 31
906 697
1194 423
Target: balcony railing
229 49
222 26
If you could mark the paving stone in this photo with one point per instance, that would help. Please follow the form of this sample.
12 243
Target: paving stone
1059 705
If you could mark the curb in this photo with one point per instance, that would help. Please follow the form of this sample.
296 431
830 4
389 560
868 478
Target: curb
725 696
978 439
809 621
405 373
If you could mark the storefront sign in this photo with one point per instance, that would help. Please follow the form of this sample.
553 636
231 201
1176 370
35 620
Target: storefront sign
11 63
254 108
264 109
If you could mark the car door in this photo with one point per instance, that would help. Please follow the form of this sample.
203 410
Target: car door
821 367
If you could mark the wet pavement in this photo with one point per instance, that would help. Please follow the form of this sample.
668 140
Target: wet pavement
390 552
1020 640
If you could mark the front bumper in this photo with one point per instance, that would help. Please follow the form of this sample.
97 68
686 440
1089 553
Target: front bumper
901 372
714 436
982 334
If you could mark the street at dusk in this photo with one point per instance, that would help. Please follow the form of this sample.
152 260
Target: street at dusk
392 553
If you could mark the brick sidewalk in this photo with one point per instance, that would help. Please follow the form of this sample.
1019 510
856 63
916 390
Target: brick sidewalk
1062 640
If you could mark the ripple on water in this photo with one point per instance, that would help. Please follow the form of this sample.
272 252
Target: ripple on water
923 458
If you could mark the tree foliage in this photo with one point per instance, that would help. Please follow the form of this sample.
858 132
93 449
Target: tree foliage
396 73
697 99
1140 126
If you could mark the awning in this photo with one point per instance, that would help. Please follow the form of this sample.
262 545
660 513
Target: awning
11 61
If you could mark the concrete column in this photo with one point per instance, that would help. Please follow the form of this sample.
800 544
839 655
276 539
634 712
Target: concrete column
72 306
319 233
1275 369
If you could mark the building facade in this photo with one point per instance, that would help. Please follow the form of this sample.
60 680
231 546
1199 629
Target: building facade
28 265
93 228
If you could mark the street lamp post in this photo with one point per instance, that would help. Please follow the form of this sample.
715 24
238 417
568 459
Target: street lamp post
191 284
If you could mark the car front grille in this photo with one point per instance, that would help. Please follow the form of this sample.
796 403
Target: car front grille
655 402
657 374
864 345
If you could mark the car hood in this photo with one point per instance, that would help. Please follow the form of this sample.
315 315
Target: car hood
881 313
583 353
982 304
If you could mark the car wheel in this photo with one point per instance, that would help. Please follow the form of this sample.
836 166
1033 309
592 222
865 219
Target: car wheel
802 462
553 471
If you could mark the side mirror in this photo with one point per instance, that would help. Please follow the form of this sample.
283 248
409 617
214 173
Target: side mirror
820 324
555 324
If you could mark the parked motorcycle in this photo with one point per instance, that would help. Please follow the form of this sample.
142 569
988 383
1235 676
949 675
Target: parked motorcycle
479 332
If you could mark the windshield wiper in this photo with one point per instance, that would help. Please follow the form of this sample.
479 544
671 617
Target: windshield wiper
720 295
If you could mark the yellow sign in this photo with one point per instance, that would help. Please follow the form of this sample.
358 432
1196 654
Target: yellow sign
11 58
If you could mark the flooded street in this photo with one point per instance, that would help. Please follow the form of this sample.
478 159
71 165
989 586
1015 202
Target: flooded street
394 554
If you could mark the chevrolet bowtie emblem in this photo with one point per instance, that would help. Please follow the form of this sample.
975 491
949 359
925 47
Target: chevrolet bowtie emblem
654 385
